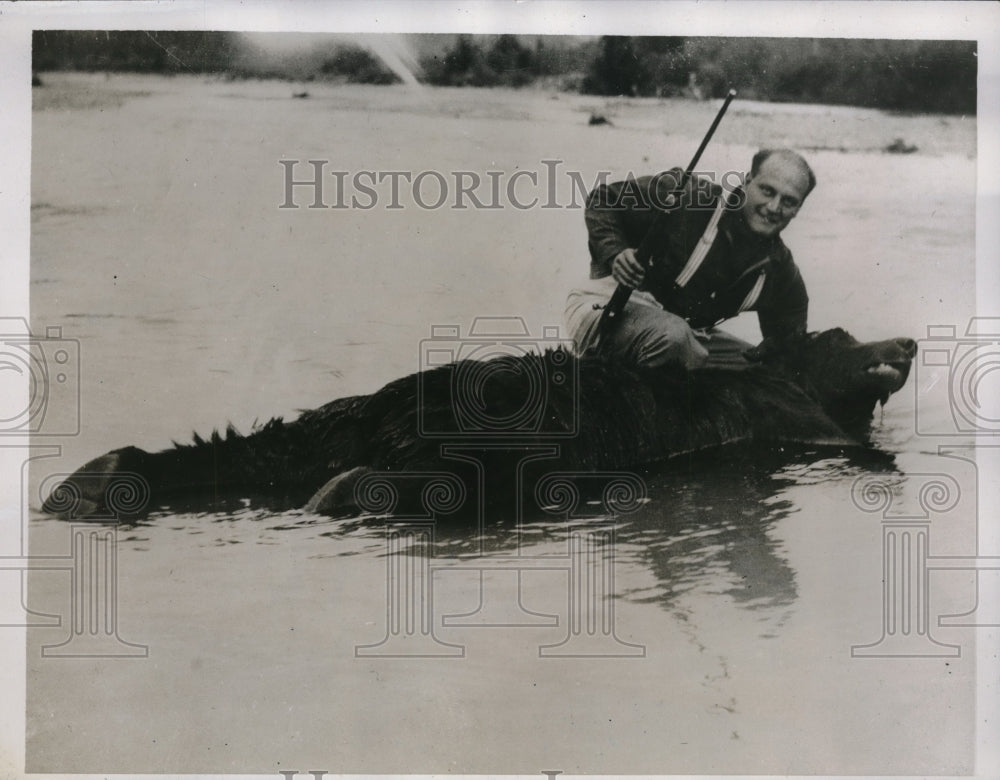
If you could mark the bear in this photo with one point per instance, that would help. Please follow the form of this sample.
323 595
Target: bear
590 413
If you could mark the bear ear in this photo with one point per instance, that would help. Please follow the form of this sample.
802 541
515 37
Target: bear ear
764 351
775 347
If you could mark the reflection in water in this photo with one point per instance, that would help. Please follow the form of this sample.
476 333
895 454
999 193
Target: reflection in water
714 530
708 525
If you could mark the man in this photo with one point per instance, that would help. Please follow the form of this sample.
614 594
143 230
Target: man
714 255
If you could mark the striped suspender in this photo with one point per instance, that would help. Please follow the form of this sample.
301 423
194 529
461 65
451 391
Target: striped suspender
701 252
704 244
754 293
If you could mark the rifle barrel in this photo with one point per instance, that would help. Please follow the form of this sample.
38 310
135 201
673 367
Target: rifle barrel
615 306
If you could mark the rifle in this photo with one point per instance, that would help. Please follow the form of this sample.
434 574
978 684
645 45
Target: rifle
644 253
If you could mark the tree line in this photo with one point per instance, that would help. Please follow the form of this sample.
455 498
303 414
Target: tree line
900 75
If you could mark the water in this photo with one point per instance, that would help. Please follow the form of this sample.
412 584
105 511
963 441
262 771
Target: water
747 577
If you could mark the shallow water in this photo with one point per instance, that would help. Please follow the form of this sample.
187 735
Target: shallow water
739 586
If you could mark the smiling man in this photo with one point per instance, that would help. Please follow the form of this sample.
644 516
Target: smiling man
715 254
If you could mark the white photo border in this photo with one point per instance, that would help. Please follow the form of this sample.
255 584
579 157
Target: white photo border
909 20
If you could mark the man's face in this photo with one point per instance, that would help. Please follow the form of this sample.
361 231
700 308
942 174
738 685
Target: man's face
774 195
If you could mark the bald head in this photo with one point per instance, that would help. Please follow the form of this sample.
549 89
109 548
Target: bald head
787 156
779 182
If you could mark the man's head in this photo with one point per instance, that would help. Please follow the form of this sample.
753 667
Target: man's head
779 182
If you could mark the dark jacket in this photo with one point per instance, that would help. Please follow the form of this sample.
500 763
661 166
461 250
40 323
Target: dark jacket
619 216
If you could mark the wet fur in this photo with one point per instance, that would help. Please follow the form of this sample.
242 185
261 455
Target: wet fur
621 419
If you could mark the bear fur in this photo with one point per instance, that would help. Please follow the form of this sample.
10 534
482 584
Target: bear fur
593 414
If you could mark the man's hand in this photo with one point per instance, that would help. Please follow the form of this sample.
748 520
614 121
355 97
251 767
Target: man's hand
627 270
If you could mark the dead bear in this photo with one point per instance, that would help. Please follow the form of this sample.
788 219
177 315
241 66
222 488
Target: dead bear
596 414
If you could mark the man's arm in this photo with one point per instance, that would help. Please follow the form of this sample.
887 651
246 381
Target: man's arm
619 214
786 311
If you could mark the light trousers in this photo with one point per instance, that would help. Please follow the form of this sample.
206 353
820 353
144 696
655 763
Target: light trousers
647 335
